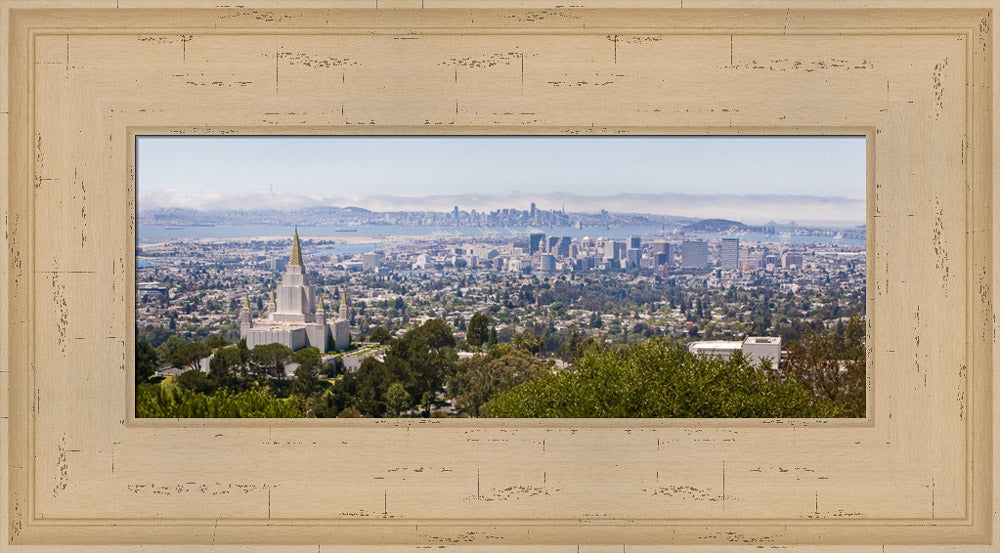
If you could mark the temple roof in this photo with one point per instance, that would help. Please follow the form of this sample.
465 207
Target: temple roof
296 257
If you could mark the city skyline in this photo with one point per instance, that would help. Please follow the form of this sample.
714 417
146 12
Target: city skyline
681 175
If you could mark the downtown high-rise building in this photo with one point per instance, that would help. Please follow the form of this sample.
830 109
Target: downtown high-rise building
633 256
729 254
792 260
664 252
547 263
536 242
614 251
561 248
694 254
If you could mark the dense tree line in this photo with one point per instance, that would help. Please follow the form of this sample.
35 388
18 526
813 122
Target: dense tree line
823 376
658 379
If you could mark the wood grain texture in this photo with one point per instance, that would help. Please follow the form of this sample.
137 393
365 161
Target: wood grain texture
919 470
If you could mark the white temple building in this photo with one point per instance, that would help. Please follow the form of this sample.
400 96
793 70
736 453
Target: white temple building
296 316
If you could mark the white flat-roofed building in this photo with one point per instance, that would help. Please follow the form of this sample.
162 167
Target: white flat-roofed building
758 348
715 348
754 348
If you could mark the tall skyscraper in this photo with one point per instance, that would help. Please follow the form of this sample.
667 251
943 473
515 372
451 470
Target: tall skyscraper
547 263
614 250
634 243
667 250
633 256
535 242
729 254
694 254
562 250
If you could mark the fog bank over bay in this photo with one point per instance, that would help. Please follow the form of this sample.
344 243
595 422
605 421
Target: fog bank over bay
749 209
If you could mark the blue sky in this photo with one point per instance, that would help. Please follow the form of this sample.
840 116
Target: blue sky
419 166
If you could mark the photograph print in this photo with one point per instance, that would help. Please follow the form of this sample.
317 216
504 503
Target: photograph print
511 277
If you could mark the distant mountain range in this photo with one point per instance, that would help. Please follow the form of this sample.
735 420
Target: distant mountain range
207 207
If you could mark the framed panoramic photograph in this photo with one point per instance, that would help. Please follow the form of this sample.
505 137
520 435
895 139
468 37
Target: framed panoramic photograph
410 274
672 281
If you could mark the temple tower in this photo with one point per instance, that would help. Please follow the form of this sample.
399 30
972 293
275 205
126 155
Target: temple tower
246 319
295 296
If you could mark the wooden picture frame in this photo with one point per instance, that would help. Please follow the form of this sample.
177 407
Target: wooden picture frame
81 80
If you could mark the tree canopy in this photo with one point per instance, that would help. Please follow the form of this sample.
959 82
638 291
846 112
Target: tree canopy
657 379
146 361
381 335
478 331
480 378
831 363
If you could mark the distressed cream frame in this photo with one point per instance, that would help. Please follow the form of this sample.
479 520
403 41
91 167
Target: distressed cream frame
81 80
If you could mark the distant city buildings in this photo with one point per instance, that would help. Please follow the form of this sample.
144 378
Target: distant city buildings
184 285
150 291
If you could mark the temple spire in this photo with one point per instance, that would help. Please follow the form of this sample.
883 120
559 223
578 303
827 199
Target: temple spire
343 313
246 300
296 257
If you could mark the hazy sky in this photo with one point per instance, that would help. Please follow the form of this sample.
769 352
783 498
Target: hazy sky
420 166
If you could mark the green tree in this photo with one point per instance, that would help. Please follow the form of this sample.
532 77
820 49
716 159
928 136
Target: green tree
350 413
479 330
366 388
196 381
306 380
188 354
480 378
333 367
381 335
436 333
215 341
595 320
223 367
397 399
309 356
831 363
270 359
146 361
160 400
165 351
422 358
528 342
